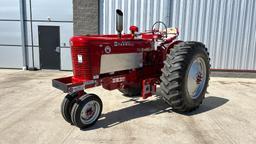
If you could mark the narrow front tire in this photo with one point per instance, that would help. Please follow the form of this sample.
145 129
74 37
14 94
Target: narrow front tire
86 111
66 106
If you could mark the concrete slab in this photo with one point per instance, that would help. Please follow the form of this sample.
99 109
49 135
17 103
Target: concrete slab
30 114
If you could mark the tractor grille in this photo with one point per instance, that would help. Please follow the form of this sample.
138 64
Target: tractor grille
81 63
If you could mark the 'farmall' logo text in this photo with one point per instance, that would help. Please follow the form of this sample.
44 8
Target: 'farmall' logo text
123 43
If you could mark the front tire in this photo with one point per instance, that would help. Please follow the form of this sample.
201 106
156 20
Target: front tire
86 111
185 76
66 106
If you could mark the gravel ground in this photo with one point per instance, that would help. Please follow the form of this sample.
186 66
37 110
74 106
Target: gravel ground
30 114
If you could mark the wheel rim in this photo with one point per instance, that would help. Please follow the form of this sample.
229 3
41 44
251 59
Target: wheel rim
90 112
196 77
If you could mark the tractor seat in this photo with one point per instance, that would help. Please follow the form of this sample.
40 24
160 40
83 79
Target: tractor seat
172 32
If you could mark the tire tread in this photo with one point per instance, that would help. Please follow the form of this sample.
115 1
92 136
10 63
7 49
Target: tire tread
173 73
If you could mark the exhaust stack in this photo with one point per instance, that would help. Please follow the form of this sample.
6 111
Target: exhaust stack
119 22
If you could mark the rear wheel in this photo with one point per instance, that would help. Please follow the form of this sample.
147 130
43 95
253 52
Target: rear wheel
185 76
86 111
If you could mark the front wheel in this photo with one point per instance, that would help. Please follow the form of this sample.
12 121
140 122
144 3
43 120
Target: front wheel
185 76
86 111
67 105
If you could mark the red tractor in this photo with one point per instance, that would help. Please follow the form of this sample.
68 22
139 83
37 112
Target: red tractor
135 64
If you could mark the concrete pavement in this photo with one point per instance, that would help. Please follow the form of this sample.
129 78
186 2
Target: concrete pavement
30 114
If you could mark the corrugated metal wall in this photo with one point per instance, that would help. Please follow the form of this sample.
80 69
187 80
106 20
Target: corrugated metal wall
142 13
227 27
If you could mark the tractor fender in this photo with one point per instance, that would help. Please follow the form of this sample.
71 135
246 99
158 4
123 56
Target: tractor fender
172 44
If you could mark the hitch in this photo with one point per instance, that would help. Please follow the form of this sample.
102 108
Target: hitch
148 87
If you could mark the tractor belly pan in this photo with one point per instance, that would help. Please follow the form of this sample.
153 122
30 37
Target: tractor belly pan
119 62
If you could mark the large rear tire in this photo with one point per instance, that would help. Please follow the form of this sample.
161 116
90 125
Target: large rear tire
185 76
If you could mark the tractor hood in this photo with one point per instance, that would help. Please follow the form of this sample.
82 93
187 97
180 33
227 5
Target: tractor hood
83 39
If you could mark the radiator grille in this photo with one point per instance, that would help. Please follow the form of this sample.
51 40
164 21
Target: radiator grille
81 70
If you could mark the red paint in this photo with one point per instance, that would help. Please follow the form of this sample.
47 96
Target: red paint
134 29
87 51
149 87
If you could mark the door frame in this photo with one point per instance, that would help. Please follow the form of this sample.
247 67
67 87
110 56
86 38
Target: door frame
39 50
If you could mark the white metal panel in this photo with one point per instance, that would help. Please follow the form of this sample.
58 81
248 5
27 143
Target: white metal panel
227 27
66 32
65 58
36 57
27 7
10 33
10 57
118 62
57 10
9 9
142 13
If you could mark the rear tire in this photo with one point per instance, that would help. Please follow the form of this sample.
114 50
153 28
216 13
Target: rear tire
86 111
185 76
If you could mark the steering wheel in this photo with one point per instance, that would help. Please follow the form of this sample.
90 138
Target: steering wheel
157 30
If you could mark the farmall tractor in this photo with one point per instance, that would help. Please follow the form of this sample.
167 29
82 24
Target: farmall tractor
134 64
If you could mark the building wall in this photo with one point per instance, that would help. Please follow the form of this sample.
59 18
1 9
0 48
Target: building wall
86 17
142 13
60 14
37 13
10 35
227 27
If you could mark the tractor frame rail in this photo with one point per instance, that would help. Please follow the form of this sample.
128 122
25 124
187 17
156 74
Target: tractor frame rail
68 85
